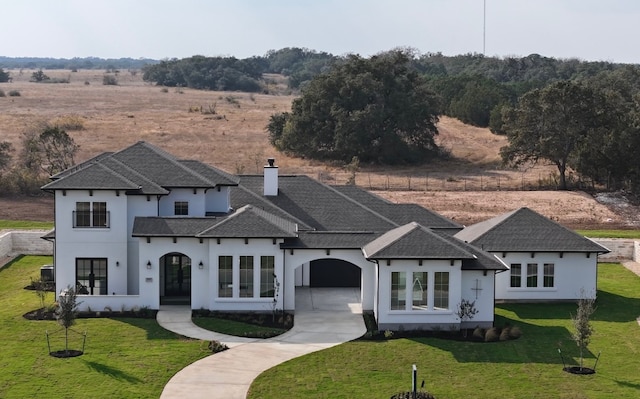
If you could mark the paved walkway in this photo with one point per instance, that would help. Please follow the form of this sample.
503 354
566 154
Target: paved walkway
324 317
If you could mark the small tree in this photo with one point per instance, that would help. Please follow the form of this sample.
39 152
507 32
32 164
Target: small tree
67 312
465 311
52 150
5 154
582 324
4 76
39 76
40 288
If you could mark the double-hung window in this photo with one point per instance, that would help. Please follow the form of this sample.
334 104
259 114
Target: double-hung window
398 290
267 275
246 276
516 275
532 275
91 214
548 277
420 291
225 276
441 290
181 208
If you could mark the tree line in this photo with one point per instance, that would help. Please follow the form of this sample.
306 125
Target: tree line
383 109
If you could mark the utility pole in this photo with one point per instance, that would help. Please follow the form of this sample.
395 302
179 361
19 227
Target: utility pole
484 27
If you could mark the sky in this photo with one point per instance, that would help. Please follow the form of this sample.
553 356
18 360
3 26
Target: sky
590 30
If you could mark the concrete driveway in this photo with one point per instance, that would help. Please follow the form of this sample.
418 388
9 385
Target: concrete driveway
324 317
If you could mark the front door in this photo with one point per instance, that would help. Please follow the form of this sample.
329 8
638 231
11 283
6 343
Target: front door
177 279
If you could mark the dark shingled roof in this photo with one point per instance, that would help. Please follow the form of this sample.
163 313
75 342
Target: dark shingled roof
524 230
329 240
250 221
400 213
319 206
246 222
413 241
140 169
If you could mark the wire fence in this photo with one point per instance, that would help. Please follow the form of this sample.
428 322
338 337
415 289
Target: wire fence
487 181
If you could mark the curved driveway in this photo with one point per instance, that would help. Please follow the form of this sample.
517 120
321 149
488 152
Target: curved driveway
324 317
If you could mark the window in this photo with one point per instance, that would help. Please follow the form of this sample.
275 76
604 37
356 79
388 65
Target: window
532 275
99 214
420 291
83 214
225 276
246 276
547 280
91 214
398 290
516 275
267 275
441 290
181 208
91 276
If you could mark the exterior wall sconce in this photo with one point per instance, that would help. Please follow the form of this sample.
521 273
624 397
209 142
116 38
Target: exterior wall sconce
117 263
200 265
148 264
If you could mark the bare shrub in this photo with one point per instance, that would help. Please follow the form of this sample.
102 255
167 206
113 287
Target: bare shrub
68 122
109 80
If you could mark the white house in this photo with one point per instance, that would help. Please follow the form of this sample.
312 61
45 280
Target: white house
547 262
140 228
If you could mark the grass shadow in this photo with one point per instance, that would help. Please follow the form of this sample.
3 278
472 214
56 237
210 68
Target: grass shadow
10 263
111 372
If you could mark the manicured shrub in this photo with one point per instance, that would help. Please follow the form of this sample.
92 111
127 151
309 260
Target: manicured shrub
505 334
478 333
492 335
515 332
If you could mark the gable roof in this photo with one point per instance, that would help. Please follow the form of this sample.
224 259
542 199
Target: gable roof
413 241
141 168
524 230
247 222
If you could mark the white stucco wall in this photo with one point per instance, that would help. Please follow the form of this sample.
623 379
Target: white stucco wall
90 242
479 286
218 199
574 273
412 319
196 202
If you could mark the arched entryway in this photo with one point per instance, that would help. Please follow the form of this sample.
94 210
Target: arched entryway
334 273
175 279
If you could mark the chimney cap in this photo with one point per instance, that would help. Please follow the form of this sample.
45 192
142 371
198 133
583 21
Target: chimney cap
271 162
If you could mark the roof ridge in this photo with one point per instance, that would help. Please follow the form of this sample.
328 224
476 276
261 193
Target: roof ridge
353 200
264 215
397 233
135 172
263 201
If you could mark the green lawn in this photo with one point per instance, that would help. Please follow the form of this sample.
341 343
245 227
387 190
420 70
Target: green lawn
529 367
124 358
236 328
25 225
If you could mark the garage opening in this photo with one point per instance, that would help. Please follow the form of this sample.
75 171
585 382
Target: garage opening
333 273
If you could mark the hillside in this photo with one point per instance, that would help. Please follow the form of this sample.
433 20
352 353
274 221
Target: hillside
227 130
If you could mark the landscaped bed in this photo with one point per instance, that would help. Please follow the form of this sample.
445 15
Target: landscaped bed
529 367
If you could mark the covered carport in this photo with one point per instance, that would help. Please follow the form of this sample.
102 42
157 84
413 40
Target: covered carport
333 273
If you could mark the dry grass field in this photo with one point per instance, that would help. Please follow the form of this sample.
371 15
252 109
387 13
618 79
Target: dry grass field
227 130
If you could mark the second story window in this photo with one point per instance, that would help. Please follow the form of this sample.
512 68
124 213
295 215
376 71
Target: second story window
181 208
91 214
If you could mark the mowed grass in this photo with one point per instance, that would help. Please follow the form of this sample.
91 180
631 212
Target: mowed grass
628 234
529 367
124 358
24 225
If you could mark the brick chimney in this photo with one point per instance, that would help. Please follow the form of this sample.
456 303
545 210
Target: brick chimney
270 178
